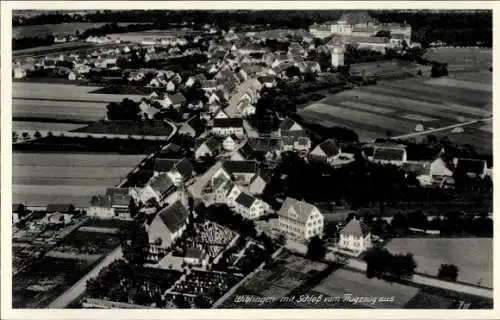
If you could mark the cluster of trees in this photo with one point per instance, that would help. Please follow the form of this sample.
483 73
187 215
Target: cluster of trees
284 99
459 28
452 222
135 243
380 262
111 28
359 183
319 133
31 42
125 110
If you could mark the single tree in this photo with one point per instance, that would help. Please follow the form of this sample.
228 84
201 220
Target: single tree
316 249
448 272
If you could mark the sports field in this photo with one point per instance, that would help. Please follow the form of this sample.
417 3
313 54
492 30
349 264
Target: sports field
42 178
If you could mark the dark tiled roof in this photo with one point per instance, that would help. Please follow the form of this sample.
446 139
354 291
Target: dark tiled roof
295 134
196 124
296 210
185 168
162 184
177 98
418 168
174 216
212 143
245 200
164 165
474 166
241 166
287 124
356 228
264 144
330 147
388 154
228 122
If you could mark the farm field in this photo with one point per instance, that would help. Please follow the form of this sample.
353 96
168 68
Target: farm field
61 101
42 178
64 92
56 48
60 29
399 106
473 256
152 128
458 59
44 126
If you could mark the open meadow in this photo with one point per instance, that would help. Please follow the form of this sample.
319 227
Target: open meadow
473 256
61 101
397 107
59 29
43 178
462 59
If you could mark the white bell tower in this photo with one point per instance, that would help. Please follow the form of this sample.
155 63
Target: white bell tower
338 56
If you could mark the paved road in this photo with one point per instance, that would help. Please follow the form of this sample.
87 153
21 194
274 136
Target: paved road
78 288
417 279
416 134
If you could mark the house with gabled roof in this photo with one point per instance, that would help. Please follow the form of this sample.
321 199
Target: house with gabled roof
179 170
428 167
395 155
296 140
158 188
209 147
200 77
168 225
175 101
113 204
289 125
299 220
473 168
327 151
193 127
355 236
248 206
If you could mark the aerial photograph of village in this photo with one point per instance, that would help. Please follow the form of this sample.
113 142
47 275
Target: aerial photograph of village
252 159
